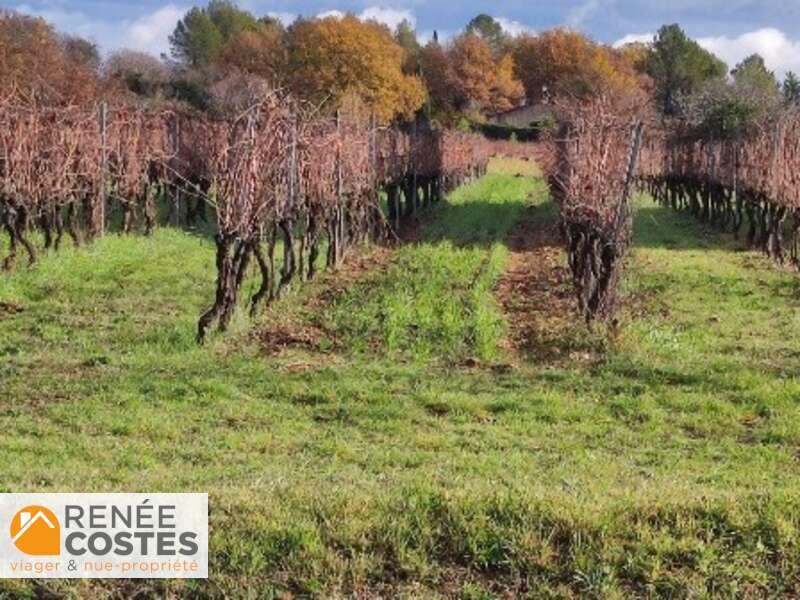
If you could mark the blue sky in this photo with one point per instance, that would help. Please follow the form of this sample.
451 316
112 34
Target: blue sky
731 28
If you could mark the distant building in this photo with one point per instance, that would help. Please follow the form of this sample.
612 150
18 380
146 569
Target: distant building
524 117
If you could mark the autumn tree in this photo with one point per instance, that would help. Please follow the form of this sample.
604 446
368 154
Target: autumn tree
467 77
36 62
261 52
679 66
333 58
507 91
563 62
484 84
79 51
440 79
138 72
636 54
473 67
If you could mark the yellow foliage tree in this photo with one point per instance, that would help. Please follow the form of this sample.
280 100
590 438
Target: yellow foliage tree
336 58
507 91
636 55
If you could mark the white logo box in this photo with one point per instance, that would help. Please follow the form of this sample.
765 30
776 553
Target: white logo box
107 536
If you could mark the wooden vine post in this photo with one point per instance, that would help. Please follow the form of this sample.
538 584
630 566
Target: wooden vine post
100 224
287 224
623 209
175 208
414 154
338 224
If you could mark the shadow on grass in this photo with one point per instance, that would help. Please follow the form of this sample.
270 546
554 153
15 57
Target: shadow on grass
472 224
482 224
204 224
630 370
660 227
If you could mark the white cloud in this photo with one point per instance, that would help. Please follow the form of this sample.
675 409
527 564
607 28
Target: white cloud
578 15
634 38
151 33
337 14
390 17
512 27
780 53
286 18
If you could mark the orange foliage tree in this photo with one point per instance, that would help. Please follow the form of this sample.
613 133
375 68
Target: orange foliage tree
36 63
439 76
507 91
562 62
473 66
336 58
467 76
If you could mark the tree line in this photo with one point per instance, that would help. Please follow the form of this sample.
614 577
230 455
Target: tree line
332 60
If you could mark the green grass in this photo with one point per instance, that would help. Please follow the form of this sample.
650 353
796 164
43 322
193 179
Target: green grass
436 299
670 469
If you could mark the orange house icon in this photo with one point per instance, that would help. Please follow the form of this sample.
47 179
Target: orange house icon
35 531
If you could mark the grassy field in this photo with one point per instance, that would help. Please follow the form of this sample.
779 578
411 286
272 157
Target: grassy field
403 455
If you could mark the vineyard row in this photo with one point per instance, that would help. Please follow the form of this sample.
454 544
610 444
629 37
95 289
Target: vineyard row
591 163
601 153
722 182
275 171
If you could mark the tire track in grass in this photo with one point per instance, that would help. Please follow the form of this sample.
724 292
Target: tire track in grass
534 290
290 323
537 295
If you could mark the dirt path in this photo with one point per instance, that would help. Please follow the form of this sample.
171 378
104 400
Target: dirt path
536 291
